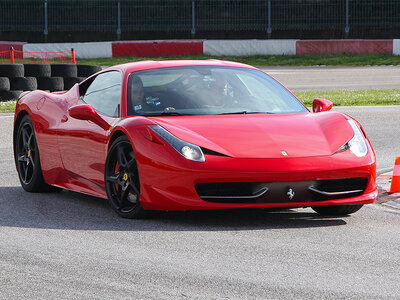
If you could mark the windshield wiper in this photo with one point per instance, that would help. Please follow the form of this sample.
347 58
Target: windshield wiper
174 113
165 113
245 112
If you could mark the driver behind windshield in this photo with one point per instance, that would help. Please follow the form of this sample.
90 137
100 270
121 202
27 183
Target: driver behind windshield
137 94
138 102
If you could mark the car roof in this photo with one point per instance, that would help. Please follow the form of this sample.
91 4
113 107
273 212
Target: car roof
151 64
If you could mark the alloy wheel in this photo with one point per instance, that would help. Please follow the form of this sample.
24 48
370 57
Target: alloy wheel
122 178
26 153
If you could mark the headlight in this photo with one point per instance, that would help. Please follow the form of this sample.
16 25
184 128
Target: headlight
357 143
187 150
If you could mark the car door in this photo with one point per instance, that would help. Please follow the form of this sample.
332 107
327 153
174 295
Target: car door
82 143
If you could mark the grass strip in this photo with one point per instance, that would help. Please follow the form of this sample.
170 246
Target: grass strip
7 106
339 98
353 98
268 60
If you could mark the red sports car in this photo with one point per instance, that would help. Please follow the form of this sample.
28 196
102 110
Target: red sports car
192 135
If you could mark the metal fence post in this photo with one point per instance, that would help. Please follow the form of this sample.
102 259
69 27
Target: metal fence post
46 25
119 20
193 31
73 56
269 29
347 28
12 55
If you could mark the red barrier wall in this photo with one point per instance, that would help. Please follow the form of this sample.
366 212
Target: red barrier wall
4 46
185 47
157 48
344 46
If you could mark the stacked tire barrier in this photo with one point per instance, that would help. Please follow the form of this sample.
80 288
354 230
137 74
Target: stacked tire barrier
16 78
11 77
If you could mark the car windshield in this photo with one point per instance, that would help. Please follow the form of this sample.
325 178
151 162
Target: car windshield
207 90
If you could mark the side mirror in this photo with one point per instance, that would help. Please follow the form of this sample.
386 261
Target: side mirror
86 112
321 105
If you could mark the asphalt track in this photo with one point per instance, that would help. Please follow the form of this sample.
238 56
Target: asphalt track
67 245
382 126
336 78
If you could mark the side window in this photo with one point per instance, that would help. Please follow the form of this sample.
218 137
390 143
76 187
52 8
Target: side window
104 93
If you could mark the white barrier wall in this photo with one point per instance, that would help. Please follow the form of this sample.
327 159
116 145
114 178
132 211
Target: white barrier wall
82 50
396 47
211 47
249 47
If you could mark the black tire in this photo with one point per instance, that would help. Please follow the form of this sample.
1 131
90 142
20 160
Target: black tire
87 70
51 84
69 82
337 210
27 160
122 180
4 84
24 84
9 95
64 70
37 70
11 71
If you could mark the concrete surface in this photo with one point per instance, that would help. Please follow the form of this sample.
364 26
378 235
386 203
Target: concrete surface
320 78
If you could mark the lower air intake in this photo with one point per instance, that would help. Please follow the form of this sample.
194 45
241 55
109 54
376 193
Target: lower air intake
276 192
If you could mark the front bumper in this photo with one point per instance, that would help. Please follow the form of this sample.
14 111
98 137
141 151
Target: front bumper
168 181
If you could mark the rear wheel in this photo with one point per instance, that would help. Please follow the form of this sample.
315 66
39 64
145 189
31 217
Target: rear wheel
337 210
26 154
122 180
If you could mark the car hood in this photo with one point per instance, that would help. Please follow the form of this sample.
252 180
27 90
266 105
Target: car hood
263 135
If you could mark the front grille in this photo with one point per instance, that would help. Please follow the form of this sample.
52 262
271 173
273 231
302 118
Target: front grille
338 188
232 192
280 192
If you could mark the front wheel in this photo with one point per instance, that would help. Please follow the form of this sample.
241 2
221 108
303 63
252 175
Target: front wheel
122 180
337 210
26 155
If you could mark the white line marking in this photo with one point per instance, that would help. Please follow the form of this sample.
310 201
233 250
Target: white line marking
281 72
5 117
383 170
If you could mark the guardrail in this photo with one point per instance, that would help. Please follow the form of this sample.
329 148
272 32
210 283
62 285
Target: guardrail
37 57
